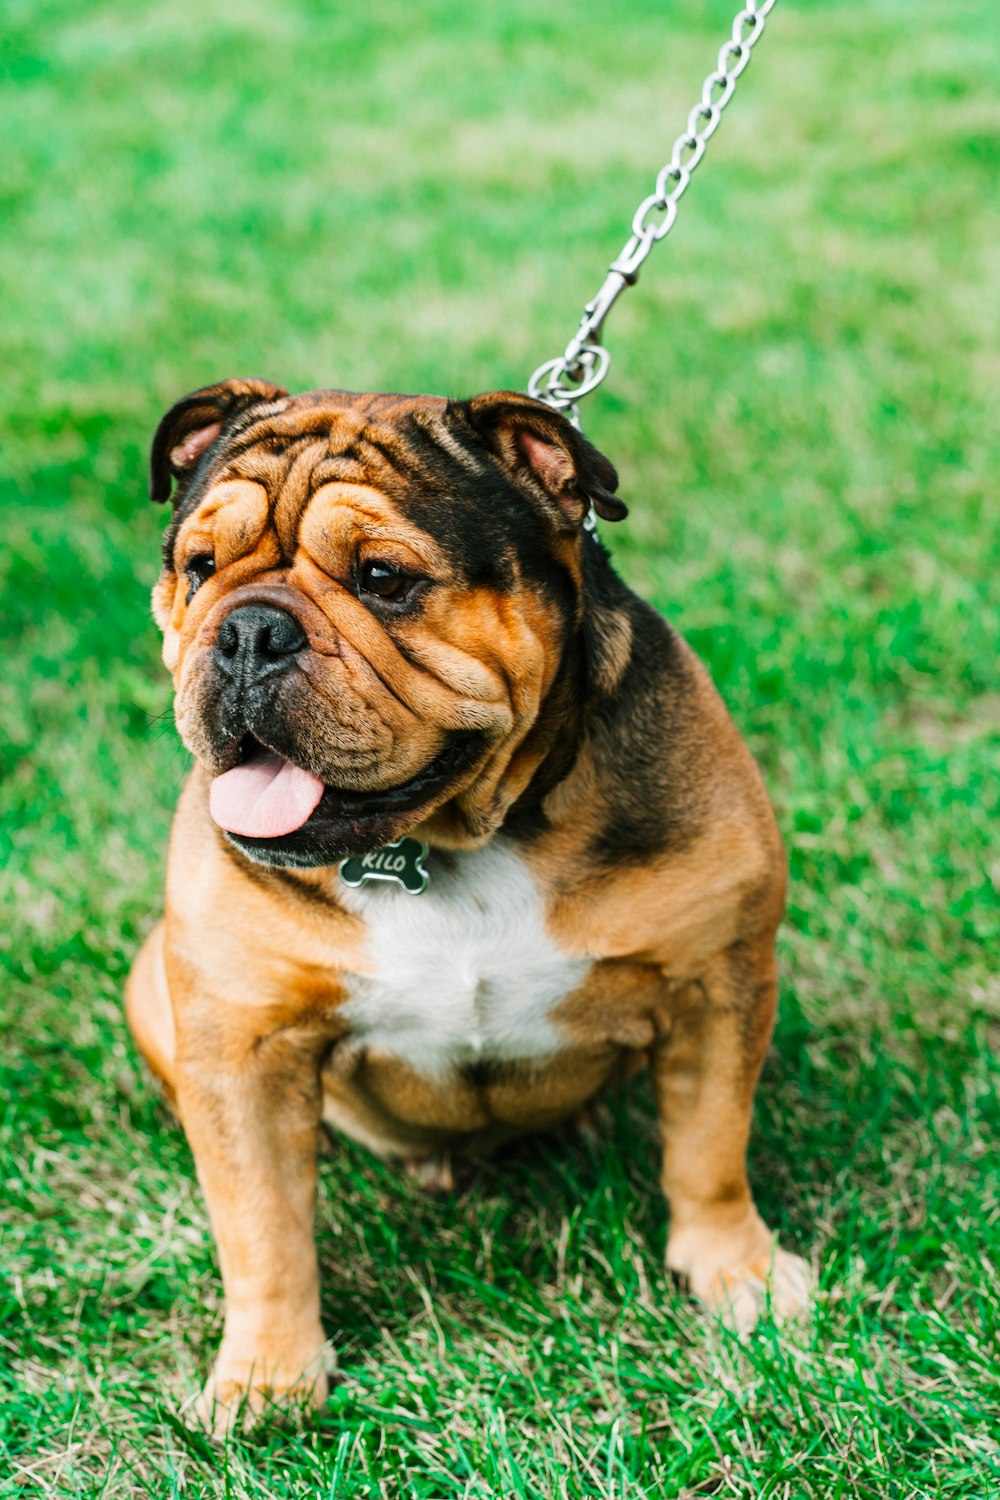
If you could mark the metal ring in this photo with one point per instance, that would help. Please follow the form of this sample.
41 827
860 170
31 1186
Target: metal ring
741 21
666 206
600 362
703 121
716 80
535 387
681 178
687 142
735 50
560 395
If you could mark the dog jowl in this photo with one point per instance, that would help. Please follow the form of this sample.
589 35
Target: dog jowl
388 626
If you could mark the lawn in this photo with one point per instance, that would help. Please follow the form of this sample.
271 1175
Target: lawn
803 409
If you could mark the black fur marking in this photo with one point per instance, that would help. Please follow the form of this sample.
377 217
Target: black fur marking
479 520
484 1073
643 736
527 818
640 733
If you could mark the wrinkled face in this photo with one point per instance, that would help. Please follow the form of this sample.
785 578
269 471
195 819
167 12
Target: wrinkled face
366 603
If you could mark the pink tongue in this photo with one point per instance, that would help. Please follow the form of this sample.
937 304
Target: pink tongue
265 799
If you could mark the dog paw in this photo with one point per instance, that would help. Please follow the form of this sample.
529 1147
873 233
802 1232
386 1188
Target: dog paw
741 1289
432 1173
779 1283
237 1395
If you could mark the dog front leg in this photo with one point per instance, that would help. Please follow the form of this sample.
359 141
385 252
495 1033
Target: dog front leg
250 1106
705 1071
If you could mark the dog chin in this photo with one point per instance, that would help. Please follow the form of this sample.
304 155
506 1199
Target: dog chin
311 848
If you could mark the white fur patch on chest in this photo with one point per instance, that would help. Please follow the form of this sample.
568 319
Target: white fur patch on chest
462 973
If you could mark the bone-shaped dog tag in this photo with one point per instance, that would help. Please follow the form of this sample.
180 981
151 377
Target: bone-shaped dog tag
401 861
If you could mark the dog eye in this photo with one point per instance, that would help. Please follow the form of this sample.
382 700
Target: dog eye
385 581
197 571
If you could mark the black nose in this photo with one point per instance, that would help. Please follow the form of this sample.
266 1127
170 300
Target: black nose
255 640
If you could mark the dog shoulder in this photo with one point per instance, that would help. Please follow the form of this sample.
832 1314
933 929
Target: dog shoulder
678 850
267 943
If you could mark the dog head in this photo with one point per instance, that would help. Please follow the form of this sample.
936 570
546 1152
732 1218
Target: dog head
366 604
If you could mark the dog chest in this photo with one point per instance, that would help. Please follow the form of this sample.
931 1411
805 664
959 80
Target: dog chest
462 973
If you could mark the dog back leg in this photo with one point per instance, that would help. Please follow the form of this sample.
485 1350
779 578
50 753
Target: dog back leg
704 1074
148 1009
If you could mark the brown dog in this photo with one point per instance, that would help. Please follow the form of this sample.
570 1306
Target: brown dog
386 621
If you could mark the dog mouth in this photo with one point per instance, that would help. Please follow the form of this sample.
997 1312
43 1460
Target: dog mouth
264 795
280 813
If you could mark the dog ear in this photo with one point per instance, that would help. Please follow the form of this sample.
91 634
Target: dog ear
191 427
544 453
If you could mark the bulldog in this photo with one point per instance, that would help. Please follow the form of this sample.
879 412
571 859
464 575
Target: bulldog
469 835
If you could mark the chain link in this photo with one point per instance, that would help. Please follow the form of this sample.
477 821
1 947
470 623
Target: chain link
563 381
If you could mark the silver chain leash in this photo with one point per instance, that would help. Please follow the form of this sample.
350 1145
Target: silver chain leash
563 381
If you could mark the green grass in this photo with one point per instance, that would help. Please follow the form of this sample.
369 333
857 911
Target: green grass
803 407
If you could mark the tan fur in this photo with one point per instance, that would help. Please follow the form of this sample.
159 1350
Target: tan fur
236 998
